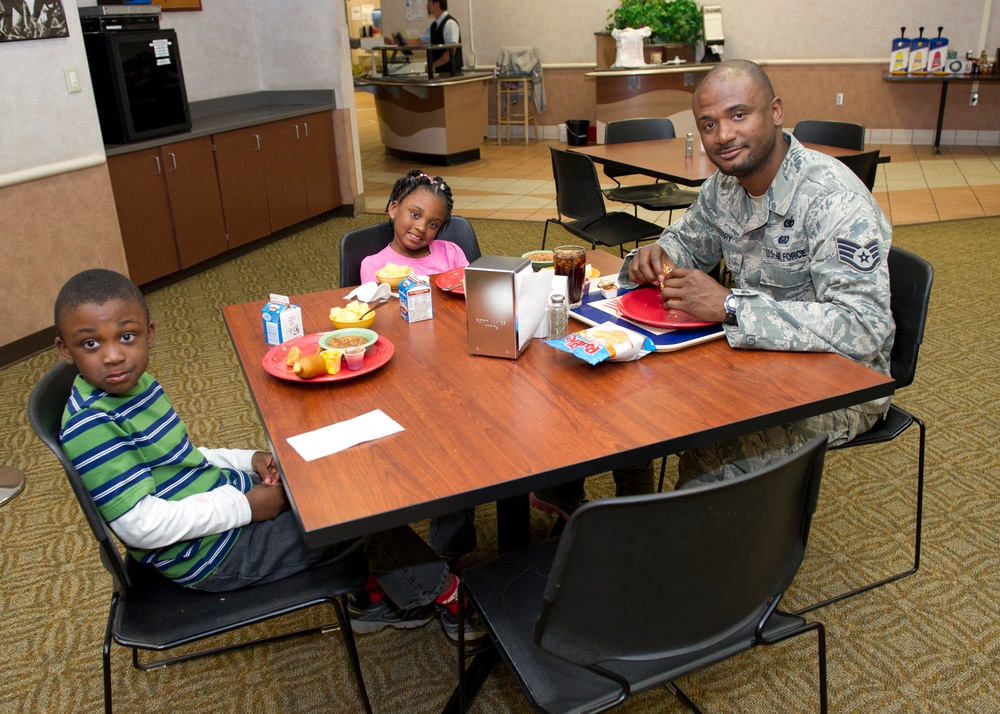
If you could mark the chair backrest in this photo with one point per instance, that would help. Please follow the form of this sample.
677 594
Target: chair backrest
864 166
644 129
643 577
624 131
846 135
578 189
45 409
910 280
358 244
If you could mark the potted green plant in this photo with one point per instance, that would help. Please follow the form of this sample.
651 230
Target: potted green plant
671 21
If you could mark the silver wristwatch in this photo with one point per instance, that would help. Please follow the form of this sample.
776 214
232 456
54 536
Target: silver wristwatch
730 304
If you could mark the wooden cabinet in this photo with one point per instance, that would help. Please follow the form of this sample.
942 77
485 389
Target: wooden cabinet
169 209
241 183
319 163
300 168
195 205
188 201
276 175
144 214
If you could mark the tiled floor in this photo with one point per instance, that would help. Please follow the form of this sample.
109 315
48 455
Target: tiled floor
514 181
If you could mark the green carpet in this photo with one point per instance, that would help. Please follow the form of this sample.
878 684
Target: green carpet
929 643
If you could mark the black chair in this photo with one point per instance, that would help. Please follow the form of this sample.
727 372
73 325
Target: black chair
910 279
358 244
846 135
643 590
580 206
150 612
660 196
863 165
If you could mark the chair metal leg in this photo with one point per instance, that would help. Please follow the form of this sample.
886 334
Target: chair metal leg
352 650
916 541
107 653
545 231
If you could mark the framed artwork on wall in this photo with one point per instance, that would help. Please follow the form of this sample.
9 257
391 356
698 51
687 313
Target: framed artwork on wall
179 4
32 20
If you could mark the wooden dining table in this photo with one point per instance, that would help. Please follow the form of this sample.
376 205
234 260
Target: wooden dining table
664 159
480 429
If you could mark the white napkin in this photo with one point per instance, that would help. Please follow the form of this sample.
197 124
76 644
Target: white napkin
532 293
342 435
369 292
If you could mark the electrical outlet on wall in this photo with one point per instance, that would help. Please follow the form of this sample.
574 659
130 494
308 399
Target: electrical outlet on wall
839 99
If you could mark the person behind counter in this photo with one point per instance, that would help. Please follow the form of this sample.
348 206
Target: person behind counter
444 30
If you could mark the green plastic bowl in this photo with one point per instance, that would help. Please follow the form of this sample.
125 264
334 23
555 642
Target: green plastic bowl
328 341
539 259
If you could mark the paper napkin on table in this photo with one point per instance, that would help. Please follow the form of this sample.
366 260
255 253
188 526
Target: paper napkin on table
369 292
342 435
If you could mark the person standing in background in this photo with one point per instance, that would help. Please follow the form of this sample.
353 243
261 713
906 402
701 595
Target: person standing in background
444 30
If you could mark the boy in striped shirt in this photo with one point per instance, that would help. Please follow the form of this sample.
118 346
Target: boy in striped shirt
213 519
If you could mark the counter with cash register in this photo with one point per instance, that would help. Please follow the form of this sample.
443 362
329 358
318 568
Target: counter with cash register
434 118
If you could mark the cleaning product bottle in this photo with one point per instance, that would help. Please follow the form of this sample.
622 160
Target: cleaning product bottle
918 54
900 58
937 57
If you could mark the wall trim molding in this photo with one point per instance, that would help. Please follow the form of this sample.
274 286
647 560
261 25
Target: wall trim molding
49 170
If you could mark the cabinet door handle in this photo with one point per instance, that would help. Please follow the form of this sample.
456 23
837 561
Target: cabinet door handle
305 125
257 139
173 159
296 132
158 170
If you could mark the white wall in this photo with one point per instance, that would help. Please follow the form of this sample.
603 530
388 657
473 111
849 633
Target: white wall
759 29
41 123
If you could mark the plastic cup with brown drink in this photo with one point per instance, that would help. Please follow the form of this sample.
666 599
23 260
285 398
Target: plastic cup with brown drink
571 261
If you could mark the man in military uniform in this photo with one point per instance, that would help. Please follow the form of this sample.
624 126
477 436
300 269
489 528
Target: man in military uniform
805 243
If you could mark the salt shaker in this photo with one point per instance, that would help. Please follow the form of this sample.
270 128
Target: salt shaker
689 146
558 316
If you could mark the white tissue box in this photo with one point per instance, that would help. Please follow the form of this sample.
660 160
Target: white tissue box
491 306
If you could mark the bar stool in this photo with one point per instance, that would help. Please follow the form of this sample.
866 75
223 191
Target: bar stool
514 92
11 483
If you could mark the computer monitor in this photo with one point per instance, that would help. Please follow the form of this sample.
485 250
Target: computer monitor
401 41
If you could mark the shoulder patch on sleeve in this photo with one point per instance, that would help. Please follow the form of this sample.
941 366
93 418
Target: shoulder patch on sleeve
863 258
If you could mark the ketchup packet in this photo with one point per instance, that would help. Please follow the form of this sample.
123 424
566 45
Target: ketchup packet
606 341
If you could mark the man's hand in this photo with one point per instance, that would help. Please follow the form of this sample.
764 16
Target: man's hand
694 292
266 502
649 265
263 463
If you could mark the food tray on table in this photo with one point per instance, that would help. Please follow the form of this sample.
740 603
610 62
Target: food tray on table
376 356
596 309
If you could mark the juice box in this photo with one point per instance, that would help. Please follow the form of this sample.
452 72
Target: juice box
415 302
282 320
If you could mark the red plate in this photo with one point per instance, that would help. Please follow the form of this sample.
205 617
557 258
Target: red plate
274 361
644 305
451 277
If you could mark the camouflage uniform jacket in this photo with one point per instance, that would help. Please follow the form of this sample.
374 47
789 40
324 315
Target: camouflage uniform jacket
809 266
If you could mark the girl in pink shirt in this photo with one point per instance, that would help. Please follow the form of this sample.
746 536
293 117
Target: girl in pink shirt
419 207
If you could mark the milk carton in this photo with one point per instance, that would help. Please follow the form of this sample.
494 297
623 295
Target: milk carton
415 302
282 320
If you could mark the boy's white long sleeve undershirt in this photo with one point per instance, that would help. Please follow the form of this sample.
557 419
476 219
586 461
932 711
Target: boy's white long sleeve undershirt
156 523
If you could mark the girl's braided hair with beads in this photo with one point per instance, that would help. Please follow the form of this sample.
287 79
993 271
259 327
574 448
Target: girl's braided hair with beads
418 179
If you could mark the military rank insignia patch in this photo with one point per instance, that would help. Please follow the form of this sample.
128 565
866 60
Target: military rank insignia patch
864 258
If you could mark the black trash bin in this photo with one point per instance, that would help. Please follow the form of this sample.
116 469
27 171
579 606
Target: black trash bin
576 132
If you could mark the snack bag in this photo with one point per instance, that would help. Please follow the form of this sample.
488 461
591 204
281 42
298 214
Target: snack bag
606 341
